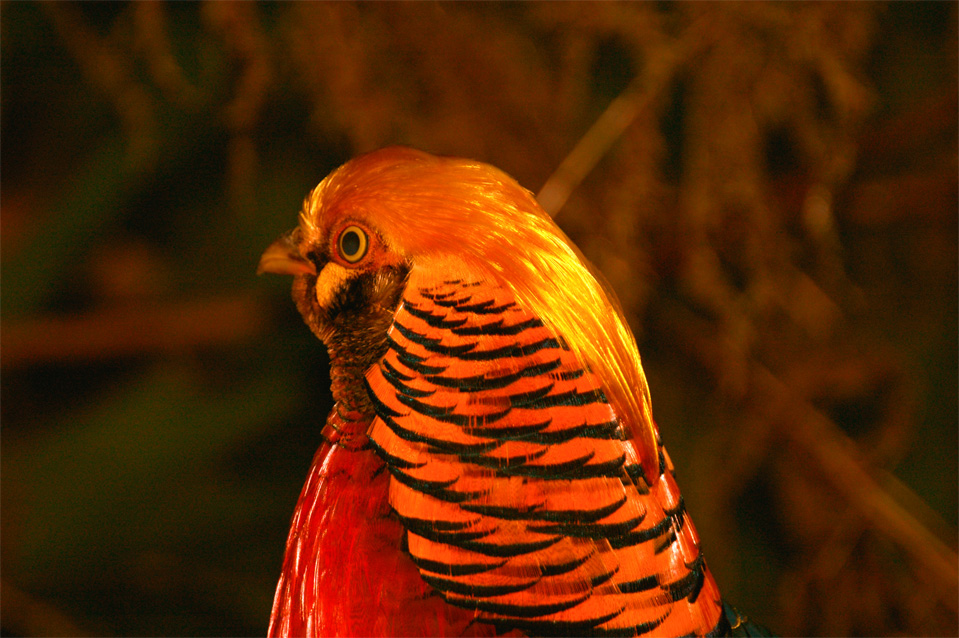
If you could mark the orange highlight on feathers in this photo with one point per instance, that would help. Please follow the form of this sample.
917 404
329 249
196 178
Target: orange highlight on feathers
466 216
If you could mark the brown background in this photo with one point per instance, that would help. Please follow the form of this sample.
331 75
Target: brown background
770 188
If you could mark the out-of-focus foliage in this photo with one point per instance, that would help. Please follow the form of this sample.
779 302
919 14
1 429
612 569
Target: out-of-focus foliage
771 188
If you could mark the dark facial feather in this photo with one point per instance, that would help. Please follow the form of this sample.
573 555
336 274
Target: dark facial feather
353 326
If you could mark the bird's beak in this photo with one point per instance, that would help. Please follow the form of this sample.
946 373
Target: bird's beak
283 258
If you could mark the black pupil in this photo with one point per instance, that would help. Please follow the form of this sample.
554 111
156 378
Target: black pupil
350 243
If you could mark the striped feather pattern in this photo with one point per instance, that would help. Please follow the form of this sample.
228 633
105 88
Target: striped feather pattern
520 492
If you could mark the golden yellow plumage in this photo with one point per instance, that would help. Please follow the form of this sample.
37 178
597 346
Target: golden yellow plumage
455 214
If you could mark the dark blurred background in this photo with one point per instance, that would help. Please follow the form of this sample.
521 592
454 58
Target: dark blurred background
770 188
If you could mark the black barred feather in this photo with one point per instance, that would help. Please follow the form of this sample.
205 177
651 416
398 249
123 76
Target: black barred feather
503 446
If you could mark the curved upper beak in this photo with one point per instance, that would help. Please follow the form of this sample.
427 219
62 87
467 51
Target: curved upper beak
283 258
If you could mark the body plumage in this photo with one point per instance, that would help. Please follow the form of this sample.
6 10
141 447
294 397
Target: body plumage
491 463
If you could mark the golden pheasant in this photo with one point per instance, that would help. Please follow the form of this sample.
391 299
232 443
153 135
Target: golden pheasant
491 463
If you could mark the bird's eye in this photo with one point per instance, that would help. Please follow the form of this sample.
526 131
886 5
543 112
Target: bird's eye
352 244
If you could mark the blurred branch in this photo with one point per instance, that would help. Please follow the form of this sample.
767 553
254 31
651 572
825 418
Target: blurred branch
24 615
109 70
131 330
238 24
836 461
150 20
834 458
641 94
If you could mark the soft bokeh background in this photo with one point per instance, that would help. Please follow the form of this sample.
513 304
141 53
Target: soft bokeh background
771 189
